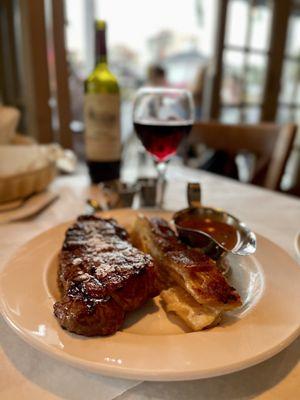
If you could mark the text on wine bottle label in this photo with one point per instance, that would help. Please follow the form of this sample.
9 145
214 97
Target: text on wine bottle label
102 126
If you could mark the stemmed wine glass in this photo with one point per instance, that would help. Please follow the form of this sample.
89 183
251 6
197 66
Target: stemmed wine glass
162 117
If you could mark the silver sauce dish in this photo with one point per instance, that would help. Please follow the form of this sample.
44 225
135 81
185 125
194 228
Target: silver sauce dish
245 238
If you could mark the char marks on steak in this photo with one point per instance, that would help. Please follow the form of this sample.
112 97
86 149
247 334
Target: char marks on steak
101 277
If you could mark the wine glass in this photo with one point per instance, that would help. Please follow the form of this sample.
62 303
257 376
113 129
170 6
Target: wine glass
162 117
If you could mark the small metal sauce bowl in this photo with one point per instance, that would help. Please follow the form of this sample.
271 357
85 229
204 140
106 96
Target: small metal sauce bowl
246 243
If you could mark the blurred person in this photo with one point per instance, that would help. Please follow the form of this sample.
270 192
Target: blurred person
198 90
156 76
232 92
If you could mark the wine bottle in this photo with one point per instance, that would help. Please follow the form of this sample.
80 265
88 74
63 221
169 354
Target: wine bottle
102 115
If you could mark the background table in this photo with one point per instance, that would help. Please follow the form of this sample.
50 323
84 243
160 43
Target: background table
28 374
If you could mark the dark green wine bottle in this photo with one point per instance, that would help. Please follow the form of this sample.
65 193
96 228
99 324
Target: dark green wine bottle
102 115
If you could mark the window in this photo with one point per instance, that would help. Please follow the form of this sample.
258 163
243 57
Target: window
289 98
245 59
181 40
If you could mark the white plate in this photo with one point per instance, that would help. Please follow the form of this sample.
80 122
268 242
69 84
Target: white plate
153 345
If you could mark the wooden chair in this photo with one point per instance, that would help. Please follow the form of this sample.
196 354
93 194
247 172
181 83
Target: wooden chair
270 143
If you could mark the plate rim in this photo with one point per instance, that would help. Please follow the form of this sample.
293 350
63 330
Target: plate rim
132 373
135 374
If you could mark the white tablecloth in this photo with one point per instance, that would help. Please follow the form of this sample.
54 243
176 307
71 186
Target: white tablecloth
26 373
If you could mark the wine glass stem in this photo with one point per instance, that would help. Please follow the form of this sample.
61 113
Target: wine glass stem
161 170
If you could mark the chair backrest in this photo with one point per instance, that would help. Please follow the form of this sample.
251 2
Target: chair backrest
270 143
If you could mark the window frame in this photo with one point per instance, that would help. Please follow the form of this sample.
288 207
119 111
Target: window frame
275 58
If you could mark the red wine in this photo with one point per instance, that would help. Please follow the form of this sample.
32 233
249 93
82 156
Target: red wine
162 140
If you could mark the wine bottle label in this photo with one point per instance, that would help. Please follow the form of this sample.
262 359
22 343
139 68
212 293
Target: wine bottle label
102 126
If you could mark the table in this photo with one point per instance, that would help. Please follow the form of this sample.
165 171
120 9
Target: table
28 374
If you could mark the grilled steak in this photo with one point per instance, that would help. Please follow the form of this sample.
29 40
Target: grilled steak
101 277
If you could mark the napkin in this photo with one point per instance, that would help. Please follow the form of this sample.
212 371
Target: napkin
21 158
41 375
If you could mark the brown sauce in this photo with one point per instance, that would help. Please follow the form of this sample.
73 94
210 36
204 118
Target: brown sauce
223 233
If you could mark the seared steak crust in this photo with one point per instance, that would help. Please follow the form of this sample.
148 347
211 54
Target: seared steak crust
101 277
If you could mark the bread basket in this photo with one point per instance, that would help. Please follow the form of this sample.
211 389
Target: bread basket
24 170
